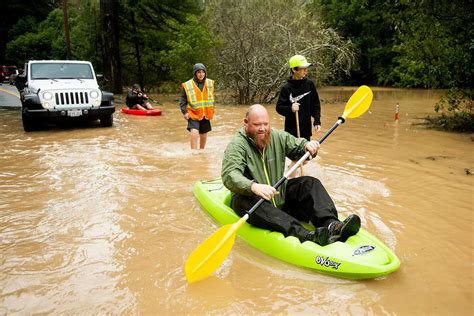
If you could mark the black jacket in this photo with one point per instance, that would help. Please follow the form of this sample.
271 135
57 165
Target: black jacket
133 98
309 106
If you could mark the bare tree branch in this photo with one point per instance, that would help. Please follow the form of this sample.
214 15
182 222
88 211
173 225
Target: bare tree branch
259 36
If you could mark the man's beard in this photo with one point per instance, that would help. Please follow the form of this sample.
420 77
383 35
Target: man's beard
260 141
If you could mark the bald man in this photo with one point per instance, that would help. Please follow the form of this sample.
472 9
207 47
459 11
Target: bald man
254 160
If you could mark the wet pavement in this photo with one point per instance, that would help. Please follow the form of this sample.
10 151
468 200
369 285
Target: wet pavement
9 96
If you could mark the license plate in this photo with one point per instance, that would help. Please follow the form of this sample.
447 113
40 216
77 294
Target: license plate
74 113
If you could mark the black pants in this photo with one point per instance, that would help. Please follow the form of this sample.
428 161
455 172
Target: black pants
306 199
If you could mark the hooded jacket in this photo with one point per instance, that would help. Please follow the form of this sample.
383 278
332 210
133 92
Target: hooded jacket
309 106
243 163
197 98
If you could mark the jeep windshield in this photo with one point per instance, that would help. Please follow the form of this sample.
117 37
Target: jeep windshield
61 71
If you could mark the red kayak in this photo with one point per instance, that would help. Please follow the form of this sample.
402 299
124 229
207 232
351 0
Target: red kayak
153 112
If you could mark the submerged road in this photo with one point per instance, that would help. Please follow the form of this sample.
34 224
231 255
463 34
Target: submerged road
9 96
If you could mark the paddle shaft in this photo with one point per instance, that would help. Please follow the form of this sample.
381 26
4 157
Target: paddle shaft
296 165
298 134
153 100
297 124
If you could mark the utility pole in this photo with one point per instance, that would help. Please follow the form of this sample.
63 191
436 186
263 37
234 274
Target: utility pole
66 29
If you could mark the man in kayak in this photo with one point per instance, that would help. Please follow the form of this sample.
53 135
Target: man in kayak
137 100
197 105
254 160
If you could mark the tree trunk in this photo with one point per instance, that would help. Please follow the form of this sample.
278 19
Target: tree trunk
66 30
111 39
137 52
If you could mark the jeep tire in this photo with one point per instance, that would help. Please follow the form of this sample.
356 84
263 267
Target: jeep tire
107 121
28 124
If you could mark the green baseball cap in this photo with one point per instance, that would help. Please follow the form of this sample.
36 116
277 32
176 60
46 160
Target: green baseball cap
299 61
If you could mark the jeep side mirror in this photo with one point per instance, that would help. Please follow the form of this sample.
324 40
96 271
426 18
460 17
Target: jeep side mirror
100 77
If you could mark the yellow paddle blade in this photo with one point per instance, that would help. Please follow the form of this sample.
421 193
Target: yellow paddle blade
208 256
359 103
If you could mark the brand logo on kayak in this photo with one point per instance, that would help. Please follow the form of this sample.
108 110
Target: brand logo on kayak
362 249
325 262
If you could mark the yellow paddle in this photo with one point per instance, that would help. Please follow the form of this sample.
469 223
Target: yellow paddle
209 255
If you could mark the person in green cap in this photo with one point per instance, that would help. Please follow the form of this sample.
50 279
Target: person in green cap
298 101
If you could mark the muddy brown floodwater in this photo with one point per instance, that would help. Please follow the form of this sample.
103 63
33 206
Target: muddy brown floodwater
101 220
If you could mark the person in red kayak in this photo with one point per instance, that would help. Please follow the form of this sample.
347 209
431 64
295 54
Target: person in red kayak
137 100
254 160
197 105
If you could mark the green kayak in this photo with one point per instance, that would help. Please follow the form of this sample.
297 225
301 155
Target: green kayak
362 256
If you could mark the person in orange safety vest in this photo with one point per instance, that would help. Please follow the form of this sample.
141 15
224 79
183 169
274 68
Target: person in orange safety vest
197 105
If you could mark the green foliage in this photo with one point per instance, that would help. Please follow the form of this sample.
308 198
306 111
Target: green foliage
191 44
412 43
369 25
434 46
456 109
22 26
18 18
85 32
46 43
457 122
407 43
152 32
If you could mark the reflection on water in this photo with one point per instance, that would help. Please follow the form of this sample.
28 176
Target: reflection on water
98 220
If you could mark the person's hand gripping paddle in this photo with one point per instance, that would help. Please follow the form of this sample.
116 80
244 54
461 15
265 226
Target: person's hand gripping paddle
209 255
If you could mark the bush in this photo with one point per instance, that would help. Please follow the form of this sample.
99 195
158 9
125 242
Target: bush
456 111
458 122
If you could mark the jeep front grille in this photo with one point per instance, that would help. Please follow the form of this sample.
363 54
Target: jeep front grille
71 98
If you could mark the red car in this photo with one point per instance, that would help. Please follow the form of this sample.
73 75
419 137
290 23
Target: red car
6 72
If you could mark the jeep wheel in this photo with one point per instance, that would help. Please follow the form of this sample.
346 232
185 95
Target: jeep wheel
107 121
28 124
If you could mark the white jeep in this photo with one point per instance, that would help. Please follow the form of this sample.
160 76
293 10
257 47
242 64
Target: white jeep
60 90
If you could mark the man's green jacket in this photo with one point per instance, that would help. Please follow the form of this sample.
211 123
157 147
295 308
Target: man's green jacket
243 163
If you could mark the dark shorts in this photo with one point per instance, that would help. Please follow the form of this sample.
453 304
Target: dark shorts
203 126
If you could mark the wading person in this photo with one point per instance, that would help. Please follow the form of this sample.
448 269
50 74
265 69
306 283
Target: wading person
137 100
254 160
298 101
197 105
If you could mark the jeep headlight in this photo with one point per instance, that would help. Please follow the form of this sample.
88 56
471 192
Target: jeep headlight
47 96
94 94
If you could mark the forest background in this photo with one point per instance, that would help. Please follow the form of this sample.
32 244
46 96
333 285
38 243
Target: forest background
246 44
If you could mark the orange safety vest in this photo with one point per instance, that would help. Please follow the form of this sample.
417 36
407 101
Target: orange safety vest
200 103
